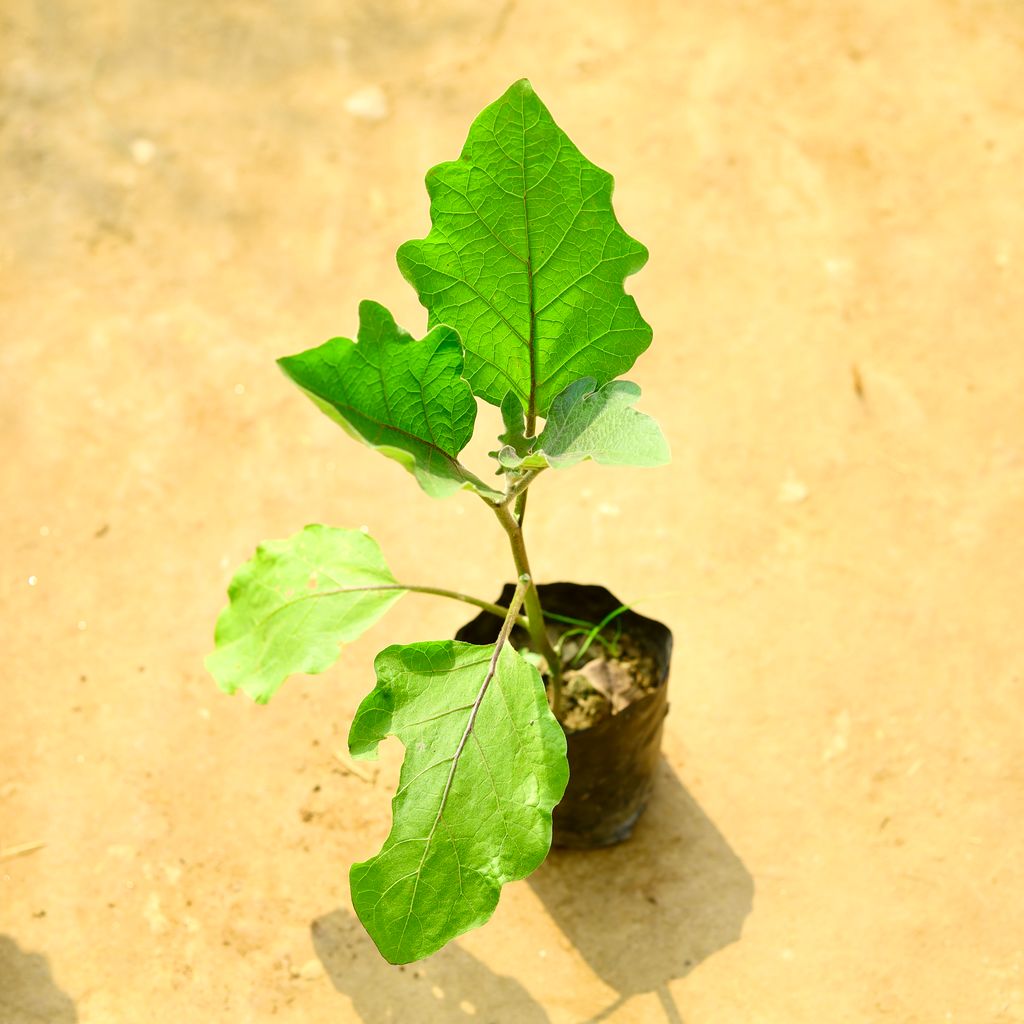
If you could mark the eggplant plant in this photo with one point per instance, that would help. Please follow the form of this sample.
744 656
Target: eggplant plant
522 276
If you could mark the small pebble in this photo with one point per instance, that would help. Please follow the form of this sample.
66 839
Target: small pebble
793 491
143 150
368 104
311 970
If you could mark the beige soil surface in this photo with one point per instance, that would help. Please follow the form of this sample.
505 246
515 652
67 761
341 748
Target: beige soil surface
832 196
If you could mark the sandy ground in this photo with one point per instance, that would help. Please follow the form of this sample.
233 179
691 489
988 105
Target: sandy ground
832 196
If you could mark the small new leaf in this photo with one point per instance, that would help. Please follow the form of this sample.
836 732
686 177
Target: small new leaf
516 445
484 767
294 604
526 260
515 424
588 422
406 398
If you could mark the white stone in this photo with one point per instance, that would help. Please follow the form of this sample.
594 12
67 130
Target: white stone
143 150
368 104
793 491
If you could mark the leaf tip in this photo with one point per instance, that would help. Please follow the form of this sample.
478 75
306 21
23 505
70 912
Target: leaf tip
370 310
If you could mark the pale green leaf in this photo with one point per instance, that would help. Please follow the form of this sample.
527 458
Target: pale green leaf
484 767
526 259
588 422
294 604
406 398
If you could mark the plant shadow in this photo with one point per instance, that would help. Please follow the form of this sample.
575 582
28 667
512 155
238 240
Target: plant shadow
462 987
28 993
649 910
641 914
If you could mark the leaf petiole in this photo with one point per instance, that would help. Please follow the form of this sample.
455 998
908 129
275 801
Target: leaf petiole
487 606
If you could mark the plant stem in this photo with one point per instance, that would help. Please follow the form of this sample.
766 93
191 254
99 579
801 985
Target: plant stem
520 508
534 612
518 491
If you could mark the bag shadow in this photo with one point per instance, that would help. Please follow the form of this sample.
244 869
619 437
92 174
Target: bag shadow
648 911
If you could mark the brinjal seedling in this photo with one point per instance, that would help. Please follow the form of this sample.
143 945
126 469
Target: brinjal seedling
522 276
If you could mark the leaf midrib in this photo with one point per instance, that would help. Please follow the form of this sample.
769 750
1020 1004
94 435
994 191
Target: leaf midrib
531 412
456 757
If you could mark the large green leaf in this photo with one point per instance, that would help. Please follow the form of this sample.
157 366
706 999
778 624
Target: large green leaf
294 603
405 398
484 766
526 259
588 422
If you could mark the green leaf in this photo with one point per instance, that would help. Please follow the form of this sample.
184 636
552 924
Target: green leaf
294 603
484 767
526 259
588 422
405 398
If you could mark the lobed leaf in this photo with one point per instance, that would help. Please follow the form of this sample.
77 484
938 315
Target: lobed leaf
484 767
406 398
294 603
526 260
590 422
